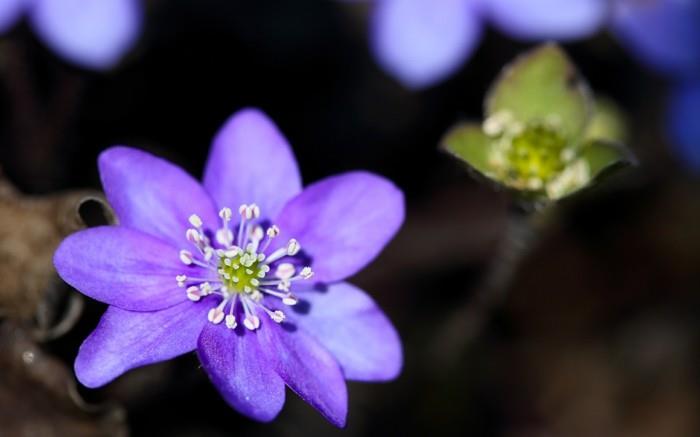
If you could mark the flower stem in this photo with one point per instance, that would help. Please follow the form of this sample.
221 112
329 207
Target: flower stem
467 323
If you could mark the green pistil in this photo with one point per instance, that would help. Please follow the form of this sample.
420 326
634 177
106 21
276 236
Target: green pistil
241 273
536 153
532 156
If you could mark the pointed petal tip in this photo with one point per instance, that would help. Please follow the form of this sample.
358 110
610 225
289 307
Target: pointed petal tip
251 161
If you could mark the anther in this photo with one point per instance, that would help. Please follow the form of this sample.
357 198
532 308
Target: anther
205 288
195 221
225 214
285 270
293 247
278 316
273 231
186 257
290 300
224 237
251 322
231 321
254 211
192 236
306 273
194 293
216 315
181 280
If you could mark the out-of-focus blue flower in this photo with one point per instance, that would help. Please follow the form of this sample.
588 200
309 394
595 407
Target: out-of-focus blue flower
664 34
421 42
684 122
179 277
10 11
92 34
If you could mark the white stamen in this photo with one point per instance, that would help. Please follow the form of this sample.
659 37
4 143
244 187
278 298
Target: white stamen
285 271
290 300
181 280
186 257
225 214
194 293
249 212
205 288
293 247
224 237
278 316
216 315
306 273
252 322
192 236
195 221
256 235
231 321
233 251
273 231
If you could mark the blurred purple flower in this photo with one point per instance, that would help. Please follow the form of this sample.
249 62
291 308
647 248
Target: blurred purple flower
684 122
421 42
665 35
91 34
242 292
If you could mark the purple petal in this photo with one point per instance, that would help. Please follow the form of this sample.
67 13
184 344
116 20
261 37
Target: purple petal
547 19
123 267
347 322
251 162
240 369
343 222
684 110
423 42
307 368
663 33
124 340
152 195
93 34
10 12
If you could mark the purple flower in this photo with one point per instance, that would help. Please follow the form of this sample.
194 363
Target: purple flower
682 120
92 34
664 34
422 42
257 290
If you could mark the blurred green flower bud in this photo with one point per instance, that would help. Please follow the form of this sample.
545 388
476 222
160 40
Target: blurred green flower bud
542 136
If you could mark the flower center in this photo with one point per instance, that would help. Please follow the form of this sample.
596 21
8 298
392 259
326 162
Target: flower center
535 156
241 273
238 268
536 152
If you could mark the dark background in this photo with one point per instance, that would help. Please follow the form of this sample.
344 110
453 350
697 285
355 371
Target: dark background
598 333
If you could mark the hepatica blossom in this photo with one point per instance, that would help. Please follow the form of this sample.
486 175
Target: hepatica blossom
422 42
91 34
665 35
247 269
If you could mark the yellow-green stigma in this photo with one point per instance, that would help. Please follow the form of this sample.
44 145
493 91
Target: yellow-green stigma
534 157
535 154
242 272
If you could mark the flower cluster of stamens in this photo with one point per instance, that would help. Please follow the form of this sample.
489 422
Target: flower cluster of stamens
240 271
535 156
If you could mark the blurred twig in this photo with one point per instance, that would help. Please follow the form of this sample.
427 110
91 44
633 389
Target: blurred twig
465 325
